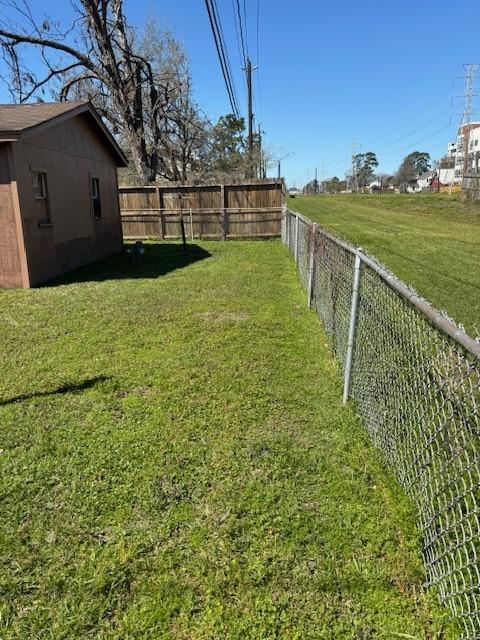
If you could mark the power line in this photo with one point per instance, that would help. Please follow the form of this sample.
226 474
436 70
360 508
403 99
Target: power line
222 55
403 149
258 29
244 57
227 59
379 143
239 44
258 64
412 132
413 145
337 162
245 23
422 110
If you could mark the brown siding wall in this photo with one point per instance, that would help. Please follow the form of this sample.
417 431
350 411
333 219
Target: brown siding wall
69 153
10 266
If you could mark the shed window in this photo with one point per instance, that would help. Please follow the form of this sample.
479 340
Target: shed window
39 185
96 203
40 194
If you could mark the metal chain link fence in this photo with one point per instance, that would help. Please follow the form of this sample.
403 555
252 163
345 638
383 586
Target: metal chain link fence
415 379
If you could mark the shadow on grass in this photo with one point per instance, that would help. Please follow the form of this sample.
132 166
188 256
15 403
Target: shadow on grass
158 260
66 388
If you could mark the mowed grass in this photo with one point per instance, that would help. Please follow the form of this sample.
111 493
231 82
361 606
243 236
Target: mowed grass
431 241
176 463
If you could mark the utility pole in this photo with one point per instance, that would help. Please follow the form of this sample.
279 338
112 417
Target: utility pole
260 155
248 70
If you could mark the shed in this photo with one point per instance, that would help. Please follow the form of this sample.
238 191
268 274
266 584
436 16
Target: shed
58 191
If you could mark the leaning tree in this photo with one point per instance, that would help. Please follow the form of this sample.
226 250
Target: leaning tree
141 86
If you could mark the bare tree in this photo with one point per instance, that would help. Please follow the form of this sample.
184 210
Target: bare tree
140 86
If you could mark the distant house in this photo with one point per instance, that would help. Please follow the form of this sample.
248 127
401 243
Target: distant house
374 186
425 180
413 186
58 191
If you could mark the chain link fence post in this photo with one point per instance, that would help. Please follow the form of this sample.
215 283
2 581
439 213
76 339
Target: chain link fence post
289 231
311 265
357 270
296 238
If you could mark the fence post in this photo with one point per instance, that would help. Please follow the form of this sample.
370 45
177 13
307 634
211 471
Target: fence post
284 225
311 266
224 220
160 212
191 224
163 226
290 233
296 239
352 327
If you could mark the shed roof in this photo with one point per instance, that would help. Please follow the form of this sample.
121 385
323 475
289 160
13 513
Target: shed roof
18 120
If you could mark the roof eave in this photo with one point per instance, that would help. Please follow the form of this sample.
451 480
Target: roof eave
8 136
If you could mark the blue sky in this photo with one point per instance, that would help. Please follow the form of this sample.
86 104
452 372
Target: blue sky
382 73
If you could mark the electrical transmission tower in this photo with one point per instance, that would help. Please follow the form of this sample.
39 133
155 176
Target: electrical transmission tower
323 171
355 150
470 73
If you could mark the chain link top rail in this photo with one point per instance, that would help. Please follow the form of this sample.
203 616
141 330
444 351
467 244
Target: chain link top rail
415 379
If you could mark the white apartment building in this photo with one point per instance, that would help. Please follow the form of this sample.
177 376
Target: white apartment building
456 149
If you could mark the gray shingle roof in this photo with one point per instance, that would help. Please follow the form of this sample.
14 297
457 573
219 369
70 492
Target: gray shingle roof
16 121
18 117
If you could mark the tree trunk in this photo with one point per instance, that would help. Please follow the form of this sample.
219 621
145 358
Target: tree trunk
141 163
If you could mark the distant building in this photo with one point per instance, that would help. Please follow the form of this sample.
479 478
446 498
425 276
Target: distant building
374 186
413 186
58 191
434 180
424 181
456 150
447 177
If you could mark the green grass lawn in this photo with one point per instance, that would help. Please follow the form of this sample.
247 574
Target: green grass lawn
175 463
431 241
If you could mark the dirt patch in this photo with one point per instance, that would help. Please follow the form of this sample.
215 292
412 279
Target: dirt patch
223 316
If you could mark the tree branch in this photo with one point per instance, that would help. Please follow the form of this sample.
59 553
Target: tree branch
53 73
23 38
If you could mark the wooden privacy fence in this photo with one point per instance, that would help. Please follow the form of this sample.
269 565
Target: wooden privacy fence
222 211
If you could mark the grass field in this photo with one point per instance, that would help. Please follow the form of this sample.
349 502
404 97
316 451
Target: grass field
176 463
431 241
